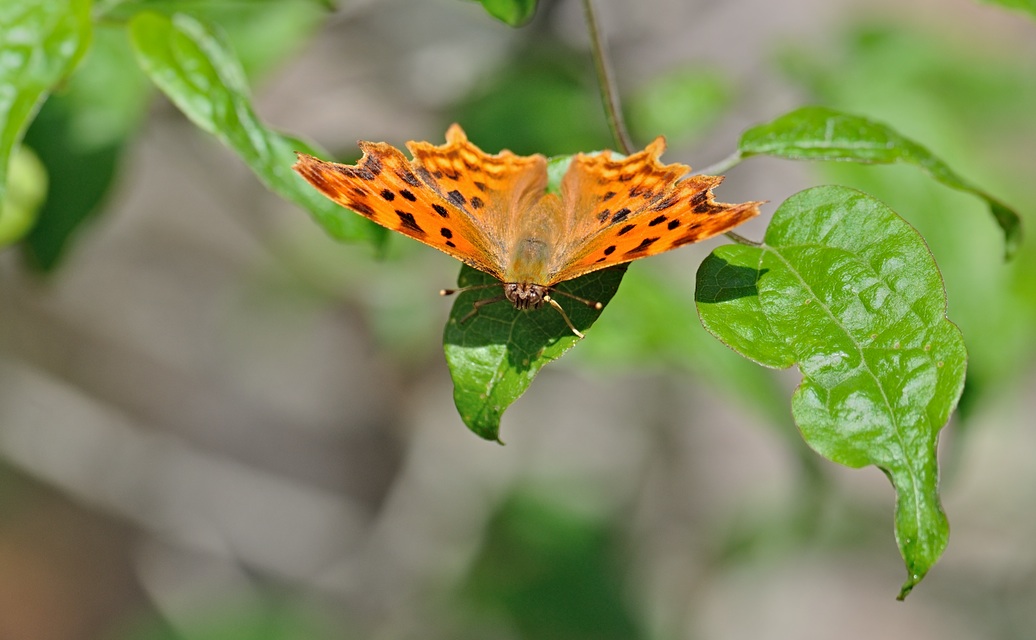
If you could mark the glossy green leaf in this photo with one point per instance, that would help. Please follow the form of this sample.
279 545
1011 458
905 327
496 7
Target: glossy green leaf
1028 6
820 133
848 291
41 42
494 355
513 12
194 67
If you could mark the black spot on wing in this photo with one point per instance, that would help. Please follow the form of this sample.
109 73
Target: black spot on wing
362 209
426 175
610 250
446 233
407 195
608 196
621 215
673 224
665 204
604 215
388 195
657 221
457 198
373 164
476 203
441 210
407 219
643 246
626 229
354 172
481 186
408 178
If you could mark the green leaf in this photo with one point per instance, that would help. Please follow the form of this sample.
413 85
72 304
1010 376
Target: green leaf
513 12
494 355
847 290
194 67
820 133
41 42
1020 5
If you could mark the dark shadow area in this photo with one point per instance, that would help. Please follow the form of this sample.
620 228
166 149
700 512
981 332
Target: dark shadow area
720 281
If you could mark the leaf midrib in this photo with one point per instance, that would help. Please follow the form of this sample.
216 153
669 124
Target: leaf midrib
897 428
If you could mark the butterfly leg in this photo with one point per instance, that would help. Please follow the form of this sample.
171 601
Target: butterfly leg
554 303
478 304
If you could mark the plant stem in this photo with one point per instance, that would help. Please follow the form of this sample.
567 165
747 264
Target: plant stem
722 166
742 240
609 92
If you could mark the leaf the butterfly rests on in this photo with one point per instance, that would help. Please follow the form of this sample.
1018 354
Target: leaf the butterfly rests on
493 212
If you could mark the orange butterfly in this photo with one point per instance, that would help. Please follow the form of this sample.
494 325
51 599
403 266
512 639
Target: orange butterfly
493 212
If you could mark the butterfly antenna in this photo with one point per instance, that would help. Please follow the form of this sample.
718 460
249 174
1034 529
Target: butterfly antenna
554 303
593 304
474 287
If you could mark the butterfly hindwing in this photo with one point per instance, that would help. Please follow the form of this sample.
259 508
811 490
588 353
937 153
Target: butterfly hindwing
628 209
493 189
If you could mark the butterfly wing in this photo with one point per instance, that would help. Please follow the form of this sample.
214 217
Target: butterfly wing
623 210
451 197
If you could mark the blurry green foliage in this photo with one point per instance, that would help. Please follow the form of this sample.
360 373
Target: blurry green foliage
80 134
260 616
83 130
513 12
25 193
41 42
1020 5
680 105
550 573
542 101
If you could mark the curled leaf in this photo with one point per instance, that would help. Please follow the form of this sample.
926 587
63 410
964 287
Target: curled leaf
820 133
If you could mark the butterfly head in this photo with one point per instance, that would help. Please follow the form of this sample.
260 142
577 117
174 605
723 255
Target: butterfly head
525 295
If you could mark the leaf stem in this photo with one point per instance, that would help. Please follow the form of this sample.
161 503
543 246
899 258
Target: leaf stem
722 166
606 81
742 240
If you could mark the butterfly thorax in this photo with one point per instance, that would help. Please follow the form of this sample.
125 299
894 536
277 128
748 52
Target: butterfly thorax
525 295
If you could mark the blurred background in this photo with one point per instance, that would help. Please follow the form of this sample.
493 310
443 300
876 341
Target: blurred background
216 422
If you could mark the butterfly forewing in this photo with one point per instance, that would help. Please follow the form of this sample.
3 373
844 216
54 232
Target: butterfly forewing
622 210
384 187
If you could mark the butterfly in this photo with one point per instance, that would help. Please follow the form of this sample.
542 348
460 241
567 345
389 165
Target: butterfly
494 213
